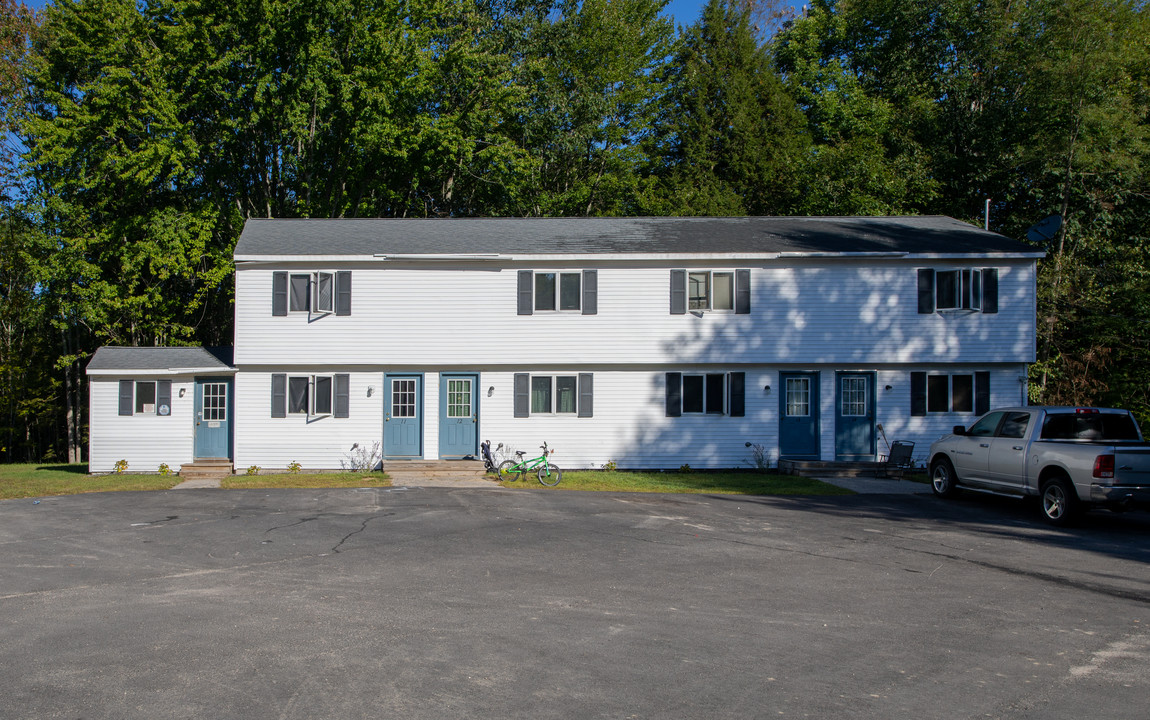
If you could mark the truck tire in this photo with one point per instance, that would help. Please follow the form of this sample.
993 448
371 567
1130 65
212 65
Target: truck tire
1060 505
942 478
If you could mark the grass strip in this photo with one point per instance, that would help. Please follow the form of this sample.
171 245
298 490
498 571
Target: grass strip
40 480
724 483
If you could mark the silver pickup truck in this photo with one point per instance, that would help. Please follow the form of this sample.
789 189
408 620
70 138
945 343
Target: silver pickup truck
1069 457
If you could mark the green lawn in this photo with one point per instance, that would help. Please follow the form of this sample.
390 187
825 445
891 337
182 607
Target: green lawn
729 483
40 480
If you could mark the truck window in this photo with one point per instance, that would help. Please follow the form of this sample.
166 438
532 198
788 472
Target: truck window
986 426
1015 424
1109 427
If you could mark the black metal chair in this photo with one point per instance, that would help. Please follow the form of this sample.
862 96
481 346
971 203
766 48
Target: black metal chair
899 460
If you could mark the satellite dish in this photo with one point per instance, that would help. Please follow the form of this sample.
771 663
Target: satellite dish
1044 230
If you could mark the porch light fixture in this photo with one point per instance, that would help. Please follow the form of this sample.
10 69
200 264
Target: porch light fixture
889 387
766 388
182 391
370 390
490 391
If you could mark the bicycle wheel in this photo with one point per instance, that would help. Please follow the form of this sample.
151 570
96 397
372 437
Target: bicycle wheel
509 471
550 475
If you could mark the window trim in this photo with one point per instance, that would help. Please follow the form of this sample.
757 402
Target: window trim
524 395
732 394
740 291
286 302
338 401
129 396
975 290
557 291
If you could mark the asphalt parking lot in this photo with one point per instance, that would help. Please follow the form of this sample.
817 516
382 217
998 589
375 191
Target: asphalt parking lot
443 603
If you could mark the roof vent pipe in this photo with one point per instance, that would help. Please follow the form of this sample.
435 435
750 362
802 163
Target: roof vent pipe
986 216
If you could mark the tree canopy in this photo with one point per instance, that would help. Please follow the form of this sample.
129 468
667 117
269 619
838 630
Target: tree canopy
140 135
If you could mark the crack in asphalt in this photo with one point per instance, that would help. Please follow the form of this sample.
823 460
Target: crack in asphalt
362 527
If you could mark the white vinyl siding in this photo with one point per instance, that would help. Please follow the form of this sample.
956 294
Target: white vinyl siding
801 312
144 439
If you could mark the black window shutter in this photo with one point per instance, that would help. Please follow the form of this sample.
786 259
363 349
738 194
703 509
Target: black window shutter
674 394
164 396
342 396
742 292
990 290
678 292
586 395
925 291
918 393
279 396
522 395
965 291
126 389
279 293
738 385
526 298
590 292
343 293
981 393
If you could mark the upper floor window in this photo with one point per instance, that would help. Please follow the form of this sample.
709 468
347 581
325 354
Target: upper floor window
316 292
972 289
699 291
550 291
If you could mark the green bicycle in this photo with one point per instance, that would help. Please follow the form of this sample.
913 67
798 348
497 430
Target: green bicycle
548 473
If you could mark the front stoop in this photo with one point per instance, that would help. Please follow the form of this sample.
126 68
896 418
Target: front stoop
207 469
826 468
407 472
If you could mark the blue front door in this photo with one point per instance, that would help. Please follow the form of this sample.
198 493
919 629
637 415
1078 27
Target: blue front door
213 418
799 416
458 416
403 416
854 416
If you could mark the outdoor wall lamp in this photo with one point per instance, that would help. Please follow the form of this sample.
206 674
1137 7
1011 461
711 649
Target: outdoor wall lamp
766 388
182 391
889 387
490 391
370 390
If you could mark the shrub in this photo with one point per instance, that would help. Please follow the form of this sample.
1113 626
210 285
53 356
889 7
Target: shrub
294 467
253 470
165 470
120 467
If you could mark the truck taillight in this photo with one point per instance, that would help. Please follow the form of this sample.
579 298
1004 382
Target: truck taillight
1104 466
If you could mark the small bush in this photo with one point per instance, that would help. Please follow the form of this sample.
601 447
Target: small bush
294 467
120 467
253 470
165 470
610 466
684 468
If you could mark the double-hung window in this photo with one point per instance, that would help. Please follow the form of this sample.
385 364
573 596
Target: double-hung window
310 395
145 397
554 395
949 393
970 289
706 394
570 291
699 291
319 292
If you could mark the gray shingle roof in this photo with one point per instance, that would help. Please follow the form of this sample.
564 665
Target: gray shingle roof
526 236
160 358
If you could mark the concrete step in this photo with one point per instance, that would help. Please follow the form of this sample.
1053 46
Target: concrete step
434 469
207 469
826 468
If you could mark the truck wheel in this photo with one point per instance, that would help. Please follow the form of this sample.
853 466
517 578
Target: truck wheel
942 479
1060 504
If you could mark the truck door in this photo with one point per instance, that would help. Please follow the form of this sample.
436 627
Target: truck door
1007 458
972 452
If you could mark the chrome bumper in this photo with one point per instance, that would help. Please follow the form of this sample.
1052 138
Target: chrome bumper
1120 494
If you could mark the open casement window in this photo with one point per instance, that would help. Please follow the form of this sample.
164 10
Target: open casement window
554 395
710 291
972 289
310 395
321 293
706 394
558 291
145 397
965 393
